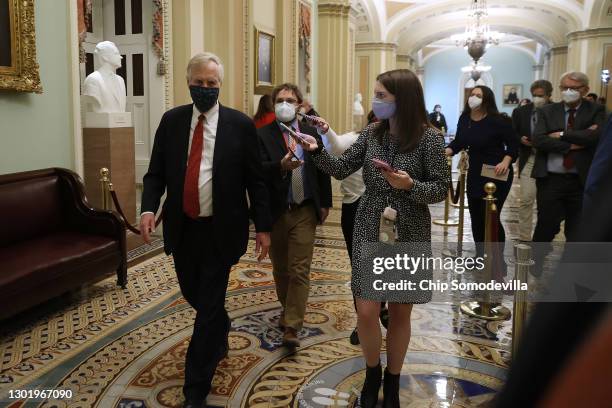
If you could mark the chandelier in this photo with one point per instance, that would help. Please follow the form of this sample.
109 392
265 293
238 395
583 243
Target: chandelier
477 35
476 70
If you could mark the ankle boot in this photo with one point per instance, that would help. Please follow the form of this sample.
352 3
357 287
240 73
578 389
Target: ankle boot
369 392
391 390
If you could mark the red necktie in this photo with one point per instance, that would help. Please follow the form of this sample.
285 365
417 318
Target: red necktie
568 158
191 194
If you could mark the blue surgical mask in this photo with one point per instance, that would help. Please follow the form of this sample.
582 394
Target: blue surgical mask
204 98
382 109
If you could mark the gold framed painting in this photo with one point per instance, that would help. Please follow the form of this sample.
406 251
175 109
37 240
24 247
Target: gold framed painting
264 62
18 66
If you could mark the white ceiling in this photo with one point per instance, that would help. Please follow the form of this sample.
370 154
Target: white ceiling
534 26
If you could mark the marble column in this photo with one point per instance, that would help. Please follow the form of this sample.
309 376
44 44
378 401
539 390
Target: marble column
404 62
187 40
421 74
373 58
586 50
334 99
538 72
546 67
558 66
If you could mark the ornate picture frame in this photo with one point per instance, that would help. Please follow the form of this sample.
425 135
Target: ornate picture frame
18 66
264 62
512 94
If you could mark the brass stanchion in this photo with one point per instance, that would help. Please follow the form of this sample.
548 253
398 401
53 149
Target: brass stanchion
486 309
522 264
104 184
447 221
463 166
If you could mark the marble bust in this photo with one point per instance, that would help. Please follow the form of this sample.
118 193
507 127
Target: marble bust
357 106
105 88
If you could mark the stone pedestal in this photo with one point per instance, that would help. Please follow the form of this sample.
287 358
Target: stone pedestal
114 149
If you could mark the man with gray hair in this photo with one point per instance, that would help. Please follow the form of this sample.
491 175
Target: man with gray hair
524 120
206 158
566 135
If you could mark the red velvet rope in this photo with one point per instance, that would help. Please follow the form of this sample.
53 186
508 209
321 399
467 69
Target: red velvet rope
124 219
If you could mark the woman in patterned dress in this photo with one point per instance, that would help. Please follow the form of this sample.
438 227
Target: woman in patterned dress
407 142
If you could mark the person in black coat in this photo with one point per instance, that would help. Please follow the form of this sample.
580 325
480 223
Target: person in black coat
300 198
490 140
557 329
205 157
437 119
565 137
523 121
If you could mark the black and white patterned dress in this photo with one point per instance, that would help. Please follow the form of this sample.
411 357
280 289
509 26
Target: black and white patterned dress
427 166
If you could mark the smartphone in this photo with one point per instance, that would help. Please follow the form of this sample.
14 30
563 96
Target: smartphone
382 165
291 132
299 137
309 117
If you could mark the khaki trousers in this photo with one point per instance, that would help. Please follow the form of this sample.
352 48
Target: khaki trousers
291 253
527 199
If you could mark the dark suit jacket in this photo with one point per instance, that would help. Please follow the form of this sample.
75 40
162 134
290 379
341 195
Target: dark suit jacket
598 191
236 170
551 118
521 122
273 149
438 124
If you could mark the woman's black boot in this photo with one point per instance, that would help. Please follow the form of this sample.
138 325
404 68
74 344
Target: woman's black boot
391 390
371 386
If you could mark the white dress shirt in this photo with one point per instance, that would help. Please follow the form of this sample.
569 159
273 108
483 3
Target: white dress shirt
205 181
351 187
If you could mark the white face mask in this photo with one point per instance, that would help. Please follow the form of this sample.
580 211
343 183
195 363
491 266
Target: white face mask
570 95
539 101
285 112
474 102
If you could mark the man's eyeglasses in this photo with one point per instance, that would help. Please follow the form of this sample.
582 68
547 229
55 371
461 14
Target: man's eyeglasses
288 100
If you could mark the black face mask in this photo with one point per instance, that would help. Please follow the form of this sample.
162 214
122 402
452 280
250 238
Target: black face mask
204 98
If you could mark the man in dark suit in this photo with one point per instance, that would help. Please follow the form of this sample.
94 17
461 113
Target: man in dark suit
524 120
557 329
565 137
300 198
205 156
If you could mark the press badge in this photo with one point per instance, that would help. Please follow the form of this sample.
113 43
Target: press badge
387 232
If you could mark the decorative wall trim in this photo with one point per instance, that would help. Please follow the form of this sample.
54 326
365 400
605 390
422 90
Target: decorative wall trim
590 33
375 46
75 91
293 55
246 48
305 41
168 57
334 9
562 49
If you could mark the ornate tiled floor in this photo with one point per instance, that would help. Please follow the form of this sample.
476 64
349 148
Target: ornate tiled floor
126 348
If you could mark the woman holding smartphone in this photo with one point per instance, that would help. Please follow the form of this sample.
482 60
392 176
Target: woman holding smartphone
415 175
491 142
